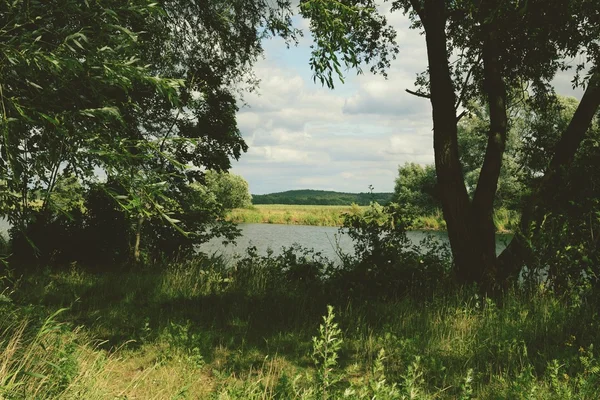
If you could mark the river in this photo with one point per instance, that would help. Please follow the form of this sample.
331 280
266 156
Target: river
4 227
324 239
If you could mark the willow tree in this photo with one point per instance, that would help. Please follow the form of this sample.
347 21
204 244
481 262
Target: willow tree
476 50
142 92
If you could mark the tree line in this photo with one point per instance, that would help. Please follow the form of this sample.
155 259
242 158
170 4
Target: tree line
321 197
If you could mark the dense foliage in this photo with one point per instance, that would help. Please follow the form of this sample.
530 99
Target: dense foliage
229 189
90 227
131 94
416 187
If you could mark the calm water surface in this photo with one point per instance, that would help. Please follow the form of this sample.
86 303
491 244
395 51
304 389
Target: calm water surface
324 239
321 238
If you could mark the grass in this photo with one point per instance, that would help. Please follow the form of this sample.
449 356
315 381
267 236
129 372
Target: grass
293 214
506 221
202 330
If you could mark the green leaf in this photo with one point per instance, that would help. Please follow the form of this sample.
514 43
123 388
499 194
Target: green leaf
35 85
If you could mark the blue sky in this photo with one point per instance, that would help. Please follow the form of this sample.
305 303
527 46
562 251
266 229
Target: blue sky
304 136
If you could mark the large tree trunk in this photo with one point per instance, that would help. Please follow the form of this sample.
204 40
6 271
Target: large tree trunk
470 226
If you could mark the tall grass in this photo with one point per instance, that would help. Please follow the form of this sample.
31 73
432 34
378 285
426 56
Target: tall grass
293 214
203 329
506 220
50 361
432 222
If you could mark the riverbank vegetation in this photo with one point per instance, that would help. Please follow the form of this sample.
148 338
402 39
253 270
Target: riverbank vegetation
260 328
292 214
506 220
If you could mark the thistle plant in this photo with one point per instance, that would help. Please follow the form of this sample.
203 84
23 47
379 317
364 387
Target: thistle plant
325 355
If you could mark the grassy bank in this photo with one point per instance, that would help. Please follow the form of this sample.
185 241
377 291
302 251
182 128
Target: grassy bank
292 214
201 331
505 220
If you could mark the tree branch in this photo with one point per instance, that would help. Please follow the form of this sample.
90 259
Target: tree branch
465 83
418 94
418 7
483 199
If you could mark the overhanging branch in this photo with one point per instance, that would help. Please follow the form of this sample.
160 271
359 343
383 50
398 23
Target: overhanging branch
418 94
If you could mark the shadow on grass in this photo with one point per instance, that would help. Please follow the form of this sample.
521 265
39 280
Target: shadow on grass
128 310
215 312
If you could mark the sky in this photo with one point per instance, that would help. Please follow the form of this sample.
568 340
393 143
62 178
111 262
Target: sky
304 136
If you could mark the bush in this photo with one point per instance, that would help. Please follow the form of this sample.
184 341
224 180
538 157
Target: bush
386 263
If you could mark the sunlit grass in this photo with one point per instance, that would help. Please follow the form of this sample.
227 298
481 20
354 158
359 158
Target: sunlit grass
293 214
505 220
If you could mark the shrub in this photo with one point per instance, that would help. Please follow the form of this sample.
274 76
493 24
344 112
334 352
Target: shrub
386 263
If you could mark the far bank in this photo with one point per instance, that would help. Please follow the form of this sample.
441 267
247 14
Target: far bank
317 215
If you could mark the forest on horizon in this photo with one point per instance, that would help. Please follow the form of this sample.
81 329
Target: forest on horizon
321 197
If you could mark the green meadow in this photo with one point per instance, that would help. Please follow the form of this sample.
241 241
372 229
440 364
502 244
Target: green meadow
293 214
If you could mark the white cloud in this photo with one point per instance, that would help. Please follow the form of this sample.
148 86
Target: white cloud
304 136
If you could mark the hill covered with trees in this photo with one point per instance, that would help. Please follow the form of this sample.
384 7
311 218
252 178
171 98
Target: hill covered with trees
321 197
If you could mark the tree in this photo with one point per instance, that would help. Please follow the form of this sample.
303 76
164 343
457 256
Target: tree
496 47
144 93
229 189
200 132
416 187
473 130
68 71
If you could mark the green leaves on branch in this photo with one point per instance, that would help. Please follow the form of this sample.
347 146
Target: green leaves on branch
130 92
347 34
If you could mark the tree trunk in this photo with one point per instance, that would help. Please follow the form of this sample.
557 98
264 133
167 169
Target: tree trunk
487 185
138 237
470 227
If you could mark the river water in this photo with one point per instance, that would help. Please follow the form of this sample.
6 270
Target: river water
324 239
4 227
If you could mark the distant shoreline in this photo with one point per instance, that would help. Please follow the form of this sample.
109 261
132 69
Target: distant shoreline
326 215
